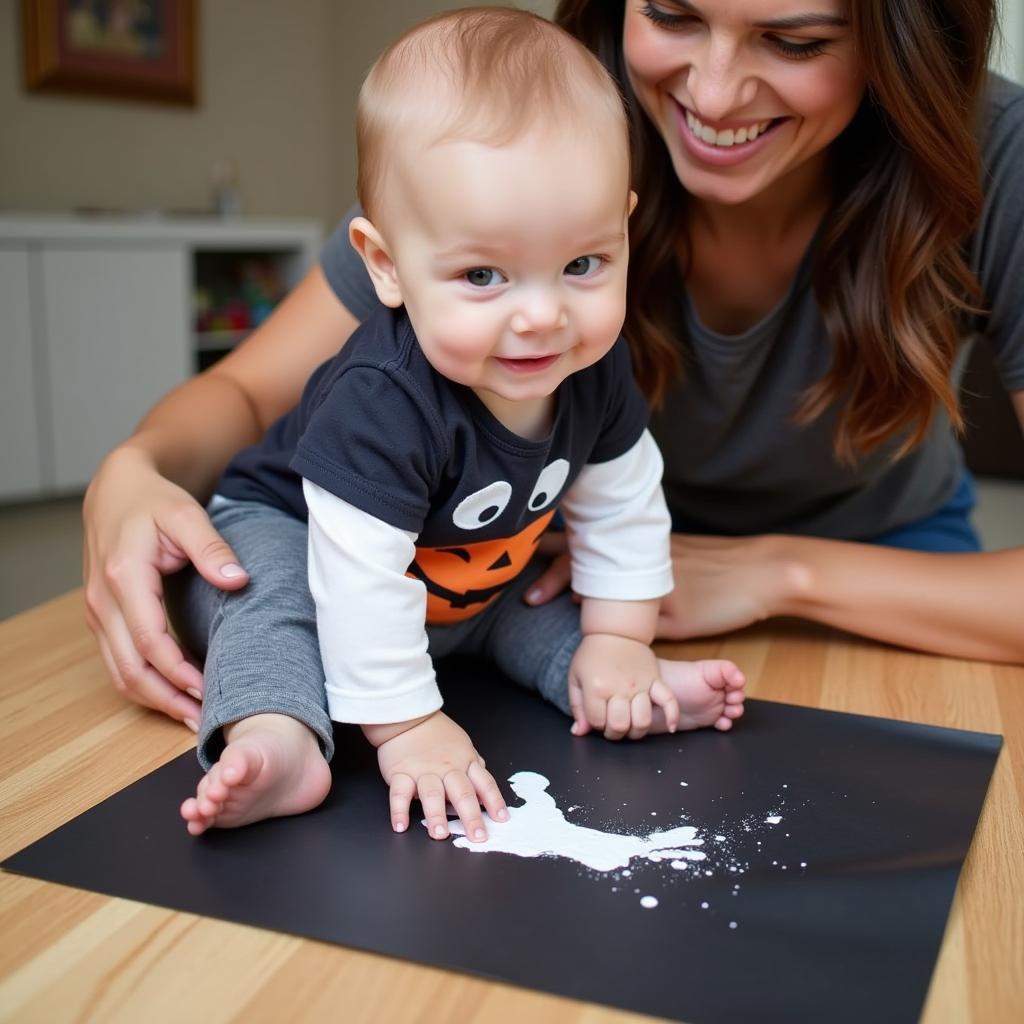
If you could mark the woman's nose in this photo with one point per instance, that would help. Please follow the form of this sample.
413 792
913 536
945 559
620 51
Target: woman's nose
719 81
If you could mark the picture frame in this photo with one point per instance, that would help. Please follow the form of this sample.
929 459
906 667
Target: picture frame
136 50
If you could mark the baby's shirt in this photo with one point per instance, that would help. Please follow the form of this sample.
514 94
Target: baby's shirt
423 507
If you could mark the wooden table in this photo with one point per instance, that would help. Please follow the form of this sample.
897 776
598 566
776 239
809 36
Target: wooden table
67 741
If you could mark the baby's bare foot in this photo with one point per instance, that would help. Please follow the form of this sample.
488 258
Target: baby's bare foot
709 693
272 766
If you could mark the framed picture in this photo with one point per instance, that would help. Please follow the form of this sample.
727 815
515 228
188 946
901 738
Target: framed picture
127 49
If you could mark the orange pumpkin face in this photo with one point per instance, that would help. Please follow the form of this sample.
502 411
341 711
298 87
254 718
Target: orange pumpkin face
461 581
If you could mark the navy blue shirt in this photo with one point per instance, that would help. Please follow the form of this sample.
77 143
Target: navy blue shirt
378 427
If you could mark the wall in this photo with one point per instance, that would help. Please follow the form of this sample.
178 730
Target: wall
1008 58
357 42
278 81
264 87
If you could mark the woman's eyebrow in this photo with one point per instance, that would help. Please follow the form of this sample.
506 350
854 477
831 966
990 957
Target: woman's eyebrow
808 20
805 21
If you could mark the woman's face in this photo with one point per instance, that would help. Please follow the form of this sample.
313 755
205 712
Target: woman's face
744 92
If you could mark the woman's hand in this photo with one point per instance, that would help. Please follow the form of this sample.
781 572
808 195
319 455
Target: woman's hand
724 583
138 528
557 576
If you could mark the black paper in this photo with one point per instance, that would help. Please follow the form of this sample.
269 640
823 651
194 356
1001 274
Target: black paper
879 813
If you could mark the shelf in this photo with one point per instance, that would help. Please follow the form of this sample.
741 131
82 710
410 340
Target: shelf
218 341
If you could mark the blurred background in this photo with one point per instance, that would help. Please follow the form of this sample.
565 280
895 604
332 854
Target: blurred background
139 240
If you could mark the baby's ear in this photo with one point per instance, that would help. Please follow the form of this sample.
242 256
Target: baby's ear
368 242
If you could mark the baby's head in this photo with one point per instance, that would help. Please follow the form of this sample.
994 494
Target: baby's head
494 176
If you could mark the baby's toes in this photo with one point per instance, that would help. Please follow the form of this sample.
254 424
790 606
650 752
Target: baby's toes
732 711
199 826
715 675
212 787
734 678
239 765
723 724
196 822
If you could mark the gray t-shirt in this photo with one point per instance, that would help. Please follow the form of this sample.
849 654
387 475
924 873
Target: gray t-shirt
734 461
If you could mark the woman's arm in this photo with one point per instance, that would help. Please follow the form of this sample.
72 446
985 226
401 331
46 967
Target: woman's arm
964 605
142 519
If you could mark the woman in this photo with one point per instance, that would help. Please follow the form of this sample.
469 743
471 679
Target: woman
829 204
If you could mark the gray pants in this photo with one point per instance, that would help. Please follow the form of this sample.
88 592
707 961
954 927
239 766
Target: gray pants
259 644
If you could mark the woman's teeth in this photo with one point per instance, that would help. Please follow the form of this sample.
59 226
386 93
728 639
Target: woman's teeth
728 136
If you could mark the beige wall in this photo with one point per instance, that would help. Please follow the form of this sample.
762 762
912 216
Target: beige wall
278 85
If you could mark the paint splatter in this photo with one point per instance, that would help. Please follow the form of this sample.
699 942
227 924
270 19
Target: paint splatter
538 828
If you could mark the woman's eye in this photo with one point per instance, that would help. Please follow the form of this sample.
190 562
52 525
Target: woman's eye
583 266
483 277
666 19
798 49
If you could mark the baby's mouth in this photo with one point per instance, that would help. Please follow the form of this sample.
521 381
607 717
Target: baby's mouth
529 364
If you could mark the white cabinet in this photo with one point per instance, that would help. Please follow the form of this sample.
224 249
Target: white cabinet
108 361
21 473
97 322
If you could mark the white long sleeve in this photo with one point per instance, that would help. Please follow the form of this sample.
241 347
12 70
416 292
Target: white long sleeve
369 614
619 528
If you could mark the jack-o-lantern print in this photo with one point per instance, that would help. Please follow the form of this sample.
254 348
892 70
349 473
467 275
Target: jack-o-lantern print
462 579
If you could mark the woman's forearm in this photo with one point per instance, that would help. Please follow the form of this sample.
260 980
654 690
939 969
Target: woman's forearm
963 605
191 433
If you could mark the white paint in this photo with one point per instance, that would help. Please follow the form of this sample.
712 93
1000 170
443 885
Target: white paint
538 829
732 924
649 902
773 819
660 855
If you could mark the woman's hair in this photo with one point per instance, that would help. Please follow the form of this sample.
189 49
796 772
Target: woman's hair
483 73
889 270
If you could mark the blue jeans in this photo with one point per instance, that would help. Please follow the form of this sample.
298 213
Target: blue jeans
259 644
947 530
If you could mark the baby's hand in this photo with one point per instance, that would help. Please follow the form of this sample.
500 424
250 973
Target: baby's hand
436 761
613 682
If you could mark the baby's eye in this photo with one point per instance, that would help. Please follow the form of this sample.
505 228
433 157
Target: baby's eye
484 277
583 266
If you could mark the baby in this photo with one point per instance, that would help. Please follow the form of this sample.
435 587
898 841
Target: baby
431 453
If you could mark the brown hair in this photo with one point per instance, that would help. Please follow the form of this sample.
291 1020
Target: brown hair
487 73
889 271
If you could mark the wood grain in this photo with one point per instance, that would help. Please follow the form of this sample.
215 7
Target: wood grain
68 741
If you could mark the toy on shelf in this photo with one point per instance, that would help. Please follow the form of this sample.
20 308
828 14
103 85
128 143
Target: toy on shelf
238 298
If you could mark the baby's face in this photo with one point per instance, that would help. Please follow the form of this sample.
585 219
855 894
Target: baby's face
511 260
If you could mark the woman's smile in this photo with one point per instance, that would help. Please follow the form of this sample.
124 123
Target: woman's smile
724 146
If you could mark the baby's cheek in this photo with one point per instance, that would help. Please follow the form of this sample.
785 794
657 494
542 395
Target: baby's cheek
604 322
